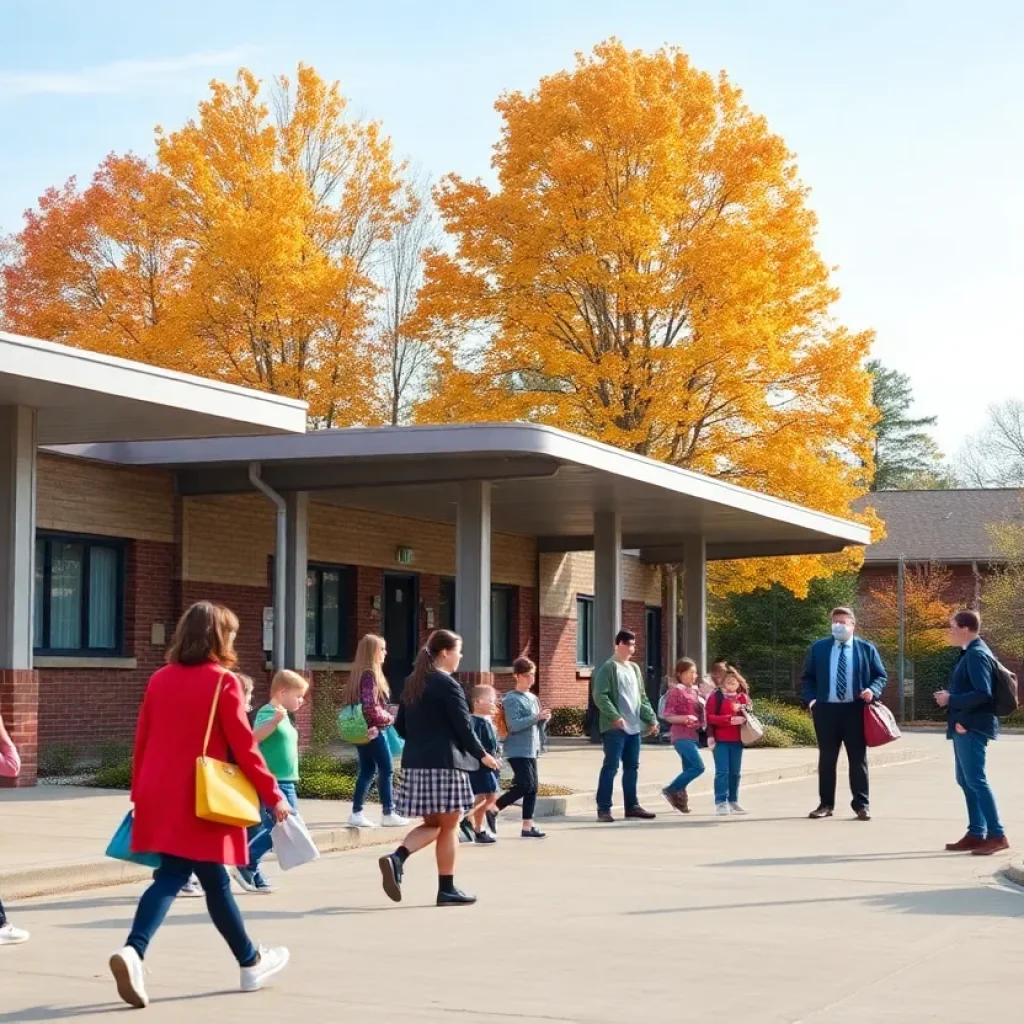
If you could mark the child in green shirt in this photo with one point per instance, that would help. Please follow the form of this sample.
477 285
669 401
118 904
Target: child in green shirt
279 743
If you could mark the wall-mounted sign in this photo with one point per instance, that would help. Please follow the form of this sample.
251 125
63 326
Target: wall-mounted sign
403 556
268 628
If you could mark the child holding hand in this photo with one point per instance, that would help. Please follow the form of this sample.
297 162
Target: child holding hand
484 780
726 713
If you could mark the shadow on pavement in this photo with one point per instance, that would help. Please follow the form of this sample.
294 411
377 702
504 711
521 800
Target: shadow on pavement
830 858
32 1013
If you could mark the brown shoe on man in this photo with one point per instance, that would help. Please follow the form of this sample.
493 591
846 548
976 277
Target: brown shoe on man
605 816
863 814
821 812
641 813
991 845
966 844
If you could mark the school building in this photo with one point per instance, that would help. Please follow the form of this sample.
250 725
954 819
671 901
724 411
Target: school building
128 492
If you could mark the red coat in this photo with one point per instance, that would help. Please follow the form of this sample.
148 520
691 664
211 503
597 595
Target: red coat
168 741
720 721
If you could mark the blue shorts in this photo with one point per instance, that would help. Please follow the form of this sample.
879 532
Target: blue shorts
484 780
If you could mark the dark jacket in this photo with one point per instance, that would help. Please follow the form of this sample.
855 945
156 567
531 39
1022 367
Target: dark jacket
868 670
970 692
438 728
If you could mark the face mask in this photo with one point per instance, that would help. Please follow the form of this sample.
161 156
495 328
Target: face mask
841 631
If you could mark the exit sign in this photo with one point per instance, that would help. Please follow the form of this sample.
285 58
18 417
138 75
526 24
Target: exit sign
404 556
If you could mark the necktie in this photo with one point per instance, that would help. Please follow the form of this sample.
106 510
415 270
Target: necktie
841 674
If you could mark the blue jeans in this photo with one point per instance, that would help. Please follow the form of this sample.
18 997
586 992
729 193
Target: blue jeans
728 764
374 758
969 752
168 879
619 748
260 840
693 765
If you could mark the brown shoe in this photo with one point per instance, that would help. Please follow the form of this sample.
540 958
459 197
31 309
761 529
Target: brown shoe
641 813
968 842
990 846
821 812
683 801
605 816
863 814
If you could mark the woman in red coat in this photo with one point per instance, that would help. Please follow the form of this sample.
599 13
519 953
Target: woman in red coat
168 741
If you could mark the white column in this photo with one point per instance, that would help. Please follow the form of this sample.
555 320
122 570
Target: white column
695 597
296 559
672 610
607 583
17 534
473 575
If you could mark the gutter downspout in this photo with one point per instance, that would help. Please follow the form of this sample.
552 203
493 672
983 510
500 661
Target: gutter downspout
280 566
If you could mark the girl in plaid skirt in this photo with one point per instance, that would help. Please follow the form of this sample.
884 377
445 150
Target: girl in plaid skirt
441 749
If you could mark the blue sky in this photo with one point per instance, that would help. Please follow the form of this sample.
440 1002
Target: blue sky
905 118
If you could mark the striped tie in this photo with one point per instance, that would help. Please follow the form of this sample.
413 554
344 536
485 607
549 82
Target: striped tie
841 674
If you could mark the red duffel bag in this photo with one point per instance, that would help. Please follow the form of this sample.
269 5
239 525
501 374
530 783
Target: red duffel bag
879 725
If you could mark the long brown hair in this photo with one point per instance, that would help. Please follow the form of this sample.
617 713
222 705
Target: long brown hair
205 633
367 659
439 641
684 665
733 672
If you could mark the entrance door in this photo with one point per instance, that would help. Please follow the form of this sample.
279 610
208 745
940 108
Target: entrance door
653 668
400 629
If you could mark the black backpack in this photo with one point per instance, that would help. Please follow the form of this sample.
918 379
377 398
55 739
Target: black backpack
1004 689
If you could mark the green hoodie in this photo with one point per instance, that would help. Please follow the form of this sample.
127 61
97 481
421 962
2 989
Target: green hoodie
605 687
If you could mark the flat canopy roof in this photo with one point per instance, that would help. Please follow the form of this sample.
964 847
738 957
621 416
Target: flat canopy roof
546 484
83 396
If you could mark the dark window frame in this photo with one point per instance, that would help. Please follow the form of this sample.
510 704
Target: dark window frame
88 541
510 598
587 634
346 604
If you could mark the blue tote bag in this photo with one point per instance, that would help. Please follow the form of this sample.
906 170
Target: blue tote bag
120 847
395 742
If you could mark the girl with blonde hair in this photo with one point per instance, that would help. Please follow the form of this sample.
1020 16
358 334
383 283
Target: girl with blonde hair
367 686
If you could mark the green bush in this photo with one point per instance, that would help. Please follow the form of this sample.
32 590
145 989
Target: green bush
319 763
326 786
775 737
793 721
114 754
114 776
568 722
57 761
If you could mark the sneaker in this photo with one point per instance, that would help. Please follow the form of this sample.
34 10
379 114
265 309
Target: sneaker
456 898
393 820
272 961
360 820
245 878
391 871
126 967
721 809
485 838
262 885
737 808
11 936
533 833
191 888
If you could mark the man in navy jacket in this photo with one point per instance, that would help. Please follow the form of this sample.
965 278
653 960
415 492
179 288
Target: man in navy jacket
971 723
842 673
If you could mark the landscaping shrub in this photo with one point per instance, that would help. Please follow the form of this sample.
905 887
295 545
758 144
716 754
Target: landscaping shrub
543 789
114 754
795 722
318 763
113 776
568 722
775 737
326 786
59 760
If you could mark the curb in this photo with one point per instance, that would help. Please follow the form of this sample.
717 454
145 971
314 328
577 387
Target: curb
1014 871
24 883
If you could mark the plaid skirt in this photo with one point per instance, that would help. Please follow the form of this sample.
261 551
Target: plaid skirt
433 791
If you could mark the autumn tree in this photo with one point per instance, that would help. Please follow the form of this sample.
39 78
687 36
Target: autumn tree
644 272
926 611
244 251
1003 594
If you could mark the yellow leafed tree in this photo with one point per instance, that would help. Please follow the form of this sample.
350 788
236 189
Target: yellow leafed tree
242 253
926 611
644 272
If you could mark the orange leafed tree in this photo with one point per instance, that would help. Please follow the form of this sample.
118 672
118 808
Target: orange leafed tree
242 252
926 611
644 272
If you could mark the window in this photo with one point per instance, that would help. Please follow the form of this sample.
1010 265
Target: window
501 625
79 596
446 611
329 633
585 632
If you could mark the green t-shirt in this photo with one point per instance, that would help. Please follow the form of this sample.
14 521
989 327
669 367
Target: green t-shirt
281 748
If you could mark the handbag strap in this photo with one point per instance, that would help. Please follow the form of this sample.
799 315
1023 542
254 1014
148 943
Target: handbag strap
213 711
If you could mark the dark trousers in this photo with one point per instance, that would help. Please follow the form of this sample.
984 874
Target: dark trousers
374 759
168 879
524 786
3 916
841 725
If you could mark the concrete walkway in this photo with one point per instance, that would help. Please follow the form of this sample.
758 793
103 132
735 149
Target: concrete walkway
759 920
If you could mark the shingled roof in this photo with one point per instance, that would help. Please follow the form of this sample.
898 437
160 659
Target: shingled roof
941 526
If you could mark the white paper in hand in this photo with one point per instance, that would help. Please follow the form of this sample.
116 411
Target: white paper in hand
293 844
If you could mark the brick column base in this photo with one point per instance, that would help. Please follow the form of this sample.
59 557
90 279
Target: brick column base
304 716
19 705
471 679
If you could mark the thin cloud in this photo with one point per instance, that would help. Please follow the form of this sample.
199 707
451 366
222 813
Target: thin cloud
122 76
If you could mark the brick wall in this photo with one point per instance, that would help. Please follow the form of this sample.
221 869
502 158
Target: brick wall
558 684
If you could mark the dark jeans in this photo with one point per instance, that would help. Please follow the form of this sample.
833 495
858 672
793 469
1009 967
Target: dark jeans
3 916
693 765
728 765
841 725
619 748
168 879
374 758
260 836
524 786
969 753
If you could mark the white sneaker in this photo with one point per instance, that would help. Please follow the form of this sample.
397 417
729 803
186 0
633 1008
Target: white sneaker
737 808
129 974
721 809
271 962
11 936
192 888
393 820
360 820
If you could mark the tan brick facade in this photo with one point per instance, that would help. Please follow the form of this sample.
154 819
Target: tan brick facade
564 576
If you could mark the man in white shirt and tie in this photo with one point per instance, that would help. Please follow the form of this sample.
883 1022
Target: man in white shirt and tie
842 673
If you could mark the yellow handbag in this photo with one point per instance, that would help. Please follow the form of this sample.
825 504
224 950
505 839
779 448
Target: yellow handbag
223 793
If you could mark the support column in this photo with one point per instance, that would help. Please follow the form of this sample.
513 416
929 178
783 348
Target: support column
473 580
695 598
672 611
296 559
19 683
607 598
